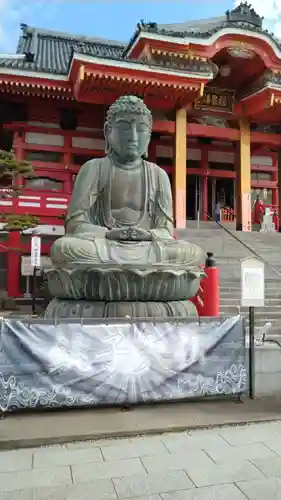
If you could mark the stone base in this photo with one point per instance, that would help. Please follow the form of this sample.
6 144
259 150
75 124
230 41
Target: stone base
83 309
113 283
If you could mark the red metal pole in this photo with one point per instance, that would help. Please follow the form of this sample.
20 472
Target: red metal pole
210 289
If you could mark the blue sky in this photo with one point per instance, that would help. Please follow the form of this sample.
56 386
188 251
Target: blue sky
114 19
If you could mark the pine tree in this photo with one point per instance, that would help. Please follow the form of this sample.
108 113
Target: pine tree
10 170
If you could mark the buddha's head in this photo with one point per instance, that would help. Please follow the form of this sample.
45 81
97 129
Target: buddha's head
128 128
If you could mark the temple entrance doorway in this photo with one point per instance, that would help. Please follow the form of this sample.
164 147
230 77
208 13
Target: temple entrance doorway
221 190
193 196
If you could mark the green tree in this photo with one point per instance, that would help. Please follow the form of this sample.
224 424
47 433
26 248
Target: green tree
10 170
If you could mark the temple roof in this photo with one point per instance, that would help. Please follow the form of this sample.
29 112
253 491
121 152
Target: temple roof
51 51
194 26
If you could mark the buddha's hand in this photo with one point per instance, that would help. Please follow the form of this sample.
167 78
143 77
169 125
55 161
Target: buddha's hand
117 235
138 234
129 234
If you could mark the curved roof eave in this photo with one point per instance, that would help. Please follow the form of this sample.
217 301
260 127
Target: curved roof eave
204 38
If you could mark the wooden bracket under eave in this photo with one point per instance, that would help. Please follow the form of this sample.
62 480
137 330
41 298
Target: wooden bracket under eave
272 100
146 54
79 81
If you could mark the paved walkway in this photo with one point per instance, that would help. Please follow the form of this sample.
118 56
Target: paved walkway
229 463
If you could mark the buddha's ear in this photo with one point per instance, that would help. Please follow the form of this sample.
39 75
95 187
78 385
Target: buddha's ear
107 147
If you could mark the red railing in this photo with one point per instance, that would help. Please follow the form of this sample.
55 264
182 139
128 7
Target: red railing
51 204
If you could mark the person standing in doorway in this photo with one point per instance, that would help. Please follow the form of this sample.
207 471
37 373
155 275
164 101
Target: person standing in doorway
217 211
258 213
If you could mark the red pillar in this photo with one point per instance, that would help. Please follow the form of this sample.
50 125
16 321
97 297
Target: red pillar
275 190
13 264
204 167
67 159
18 146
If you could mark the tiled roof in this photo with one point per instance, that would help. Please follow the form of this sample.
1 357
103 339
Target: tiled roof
53 50
194 26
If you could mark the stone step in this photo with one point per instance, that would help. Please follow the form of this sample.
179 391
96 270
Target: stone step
269 285
269 293
236 295
268 302
270 315
237 281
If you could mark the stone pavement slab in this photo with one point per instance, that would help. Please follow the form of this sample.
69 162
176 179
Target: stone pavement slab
105 470
174 461
98 490
34 478
223 474
241 452
149 484
16 460
266 489
251 434
134 449
199 471
224 492
45 458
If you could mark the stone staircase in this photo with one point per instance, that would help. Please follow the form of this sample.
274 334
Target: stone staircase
230 293
228 254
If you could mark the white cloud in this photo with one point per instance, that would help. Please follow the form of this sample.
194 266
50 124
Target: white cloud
271 11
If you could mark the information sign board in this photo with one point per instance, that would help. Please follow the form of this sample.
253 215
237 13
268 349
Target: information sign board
36 251
252 282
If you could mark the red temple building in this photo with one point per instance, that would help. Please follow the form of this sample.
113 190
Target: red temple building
214 88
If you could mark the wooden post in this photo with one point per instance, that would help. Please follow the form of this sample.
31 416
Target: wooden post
243 179
204 167
179 171
279 190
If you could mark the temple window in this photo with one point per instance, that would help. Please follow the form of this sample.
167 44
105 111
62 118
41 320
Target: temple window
261 176
221 166
46 156
44 184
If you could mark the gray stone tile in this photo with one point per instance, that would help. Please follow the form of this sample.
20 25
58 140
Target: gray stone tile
250 434
53 457
274 444
15 460
97 490
16 495
200 441
34 478
270 467
81 445
266 489
151 484
148 440
176 461
107 470
223 474
225 492
138 448
238 453
149 497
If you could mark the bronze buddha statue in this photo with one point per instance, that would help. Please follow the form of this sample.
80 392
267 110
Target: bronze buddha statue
118 244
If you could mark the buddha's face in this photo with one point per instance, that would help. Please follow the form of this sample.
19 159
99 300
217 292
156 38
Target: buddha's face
129 136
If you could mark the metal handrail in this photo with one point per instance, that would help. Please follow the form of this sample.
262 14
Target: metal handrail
256 254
